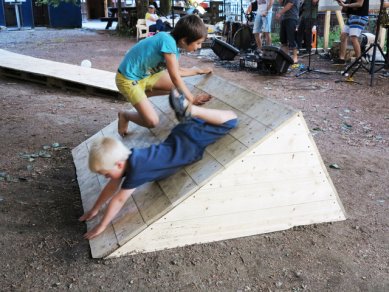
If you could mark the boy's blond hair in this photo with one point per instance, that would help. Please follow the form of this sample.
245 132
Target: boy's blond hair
105 152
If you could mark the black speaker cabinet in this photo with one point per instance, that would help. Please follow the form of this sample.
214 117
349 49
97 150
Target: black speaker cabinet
276 60
223 50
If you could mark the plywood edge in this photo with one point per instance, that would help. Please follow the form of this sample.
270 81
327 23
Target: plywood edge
324 168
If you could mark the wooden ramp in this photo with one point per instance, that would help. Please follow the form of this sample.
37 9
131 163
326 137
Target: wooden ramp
266 175
58 75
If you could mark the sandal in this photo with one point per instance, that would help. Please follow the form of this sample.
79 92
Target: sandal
176 101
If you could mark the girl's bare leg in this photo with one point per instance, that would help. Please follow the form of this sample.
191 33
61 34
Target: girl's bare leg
144 116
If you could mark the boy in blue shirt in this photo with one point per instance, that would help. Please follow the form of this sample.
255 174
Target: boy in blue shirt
198 128
143 68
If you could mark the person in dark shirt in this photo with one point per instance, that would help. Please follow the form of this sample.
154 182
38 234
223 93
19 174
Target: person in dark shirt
128 169
308 16
289 16
358 17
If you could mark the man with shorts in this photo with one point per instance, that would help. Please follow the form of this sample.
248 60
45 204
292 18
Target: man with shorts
358 16
289 16
262 22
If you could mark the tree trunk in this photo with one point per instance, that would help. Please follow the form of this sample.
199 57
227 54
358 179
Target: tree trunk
165 6
119 26
141 8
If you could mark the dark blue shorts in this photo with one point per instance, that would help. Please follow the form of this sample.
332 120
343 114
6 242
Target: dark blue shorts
288 32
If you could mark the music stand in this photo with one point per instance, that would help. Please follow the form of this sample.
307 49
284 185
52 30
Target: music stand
373 46
309 69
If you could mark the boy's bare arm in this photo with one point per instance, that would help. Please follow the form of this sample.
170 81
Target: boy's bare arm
113 208
108 191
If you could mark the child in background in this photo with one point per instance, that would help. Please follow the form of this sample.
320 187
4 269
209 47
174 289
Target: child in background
186 143
144 69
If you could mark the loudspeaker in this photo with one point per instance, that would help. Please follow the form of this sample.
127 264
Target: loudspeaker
276 60
223 50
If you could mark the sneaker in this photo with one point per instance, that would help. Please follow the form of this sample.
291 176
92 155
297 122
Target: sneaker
338 62
177 103
385 74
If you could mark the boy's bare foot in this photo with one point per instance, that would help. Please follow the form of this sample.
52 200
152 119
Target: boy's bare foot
122 124
200 99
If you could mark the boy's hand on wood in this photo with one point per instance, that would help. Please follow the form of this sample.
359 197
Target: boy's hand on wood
89 215
200 99
94 231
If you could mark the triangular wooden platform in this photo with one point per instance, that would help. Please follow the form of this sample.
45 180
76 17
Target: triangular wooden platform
266 175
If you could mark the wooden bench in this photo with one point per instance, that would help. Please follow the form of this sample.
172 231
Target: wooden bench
109 20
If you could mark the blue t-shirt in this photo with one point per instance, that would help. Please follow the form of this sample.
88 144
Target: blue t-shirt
146 57
185 145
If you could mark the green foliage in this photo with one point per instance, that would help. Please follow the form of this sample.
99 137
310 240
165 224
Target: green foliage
333 37
55 3
275 38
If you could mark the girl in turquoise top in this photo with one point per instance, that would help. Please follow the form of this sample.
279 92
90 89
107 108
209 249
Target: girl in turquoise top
152 65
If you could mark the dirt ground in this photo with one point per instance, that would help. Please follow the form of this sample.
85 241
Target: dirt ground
41 244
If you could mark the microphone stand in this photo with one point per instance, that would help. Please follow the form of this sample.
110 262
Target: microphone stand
309 69
375 46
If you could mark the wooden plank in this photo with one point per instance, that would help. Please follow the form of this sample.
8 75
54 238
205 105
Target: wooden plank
128 222
269 113
249 132
327 23
81 75
225 200
203 170
178 187
268 168
104 244
151 201
200 230
340 19
227 92
226 150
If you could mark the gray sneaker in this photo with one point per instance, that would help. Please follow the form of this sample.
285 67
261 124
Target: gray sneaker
176 101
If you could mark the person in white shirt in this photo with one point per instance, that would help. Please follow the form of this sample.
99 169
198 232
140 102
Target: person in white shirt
262 22
153 22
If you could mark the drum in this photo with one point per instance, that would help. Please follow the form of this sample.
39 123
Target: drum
230 29
244 39
251 16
